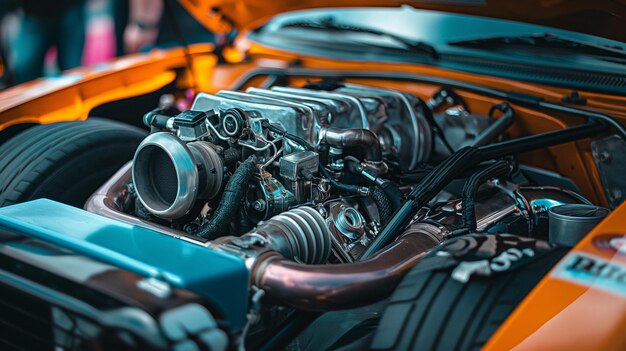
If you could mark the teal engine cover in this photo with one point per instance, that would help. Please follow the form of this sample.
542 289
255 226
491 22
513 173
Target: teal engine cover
219 278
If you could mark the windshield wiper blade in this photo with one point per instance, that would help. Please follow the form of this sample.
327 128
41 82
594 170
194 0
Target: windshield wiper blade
542 42
330 24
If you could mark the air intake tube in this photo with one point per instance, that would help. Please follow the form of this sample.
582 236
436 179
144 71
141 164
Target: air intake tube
170 175
289 250
341 286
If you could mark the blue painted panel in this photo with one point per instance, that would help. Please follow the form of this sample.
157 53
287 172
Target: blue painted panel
220 278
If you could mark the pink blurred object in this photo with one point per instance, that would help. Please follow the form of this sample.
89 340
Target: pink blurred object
99 41
49 62
184 103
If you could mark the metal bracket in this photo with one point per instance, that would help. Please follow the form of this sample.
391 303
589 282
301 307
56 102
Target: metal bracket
609 155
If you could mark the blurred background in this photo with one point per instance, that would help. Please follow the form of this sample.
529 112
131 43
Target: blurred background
43 37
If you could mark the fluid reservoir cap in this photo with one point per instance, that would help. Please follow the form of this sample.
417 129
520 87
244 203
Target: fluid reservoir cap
233 122
190 118
191 124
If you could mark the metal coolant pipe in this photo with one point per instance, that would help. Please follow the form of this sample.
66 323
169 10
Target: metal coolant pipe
362 138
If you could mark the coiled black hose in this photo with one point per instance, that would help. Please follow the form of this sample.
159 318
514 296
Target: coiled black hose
385 194
390 189
232 198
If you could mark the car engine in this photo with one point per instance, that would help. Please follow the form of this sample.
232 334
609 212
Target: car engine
331 191
266 151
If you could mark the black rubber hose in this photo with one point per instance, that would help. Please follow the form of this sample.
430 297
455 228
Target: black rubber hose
497 169
434 126
232 198
386 189
393 194
157 119
498 127
432 184
445 172
231 156
389 189
383 204
348 188
543 140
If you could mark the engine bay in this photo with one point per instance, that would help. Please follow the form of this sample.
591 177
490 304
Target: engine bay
349 151
331 191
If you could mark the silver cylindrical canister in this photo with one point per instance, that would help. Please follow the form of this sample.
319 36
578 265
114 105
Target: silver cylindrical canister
570 223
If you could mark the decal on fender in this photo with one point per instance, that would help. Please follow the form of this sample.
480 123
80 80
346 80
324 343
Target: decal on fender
614 243
589 270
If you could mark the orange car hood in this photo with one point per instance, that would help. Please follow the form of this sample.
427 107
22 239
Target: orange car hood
603 18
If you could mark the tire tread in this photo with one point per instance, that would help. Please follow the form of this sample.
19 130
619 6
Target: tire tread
35 162
443 314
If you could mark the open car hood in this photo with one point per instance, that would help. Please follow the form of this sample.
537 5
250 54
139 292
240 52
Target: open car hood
603 18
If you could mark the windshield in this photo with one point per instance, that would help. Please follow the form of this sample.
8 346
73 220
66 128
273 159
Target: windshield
458 40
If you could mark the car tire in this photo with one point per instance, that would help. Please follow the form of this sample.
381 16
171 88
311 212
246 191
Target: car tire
64 161
431 311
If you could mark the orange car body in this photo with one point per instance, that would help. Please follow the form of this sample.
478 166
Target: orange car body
580 305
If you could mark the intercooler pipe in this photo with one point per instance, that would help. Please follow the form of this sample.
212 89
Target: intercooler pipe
288 250
364 139
342 286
